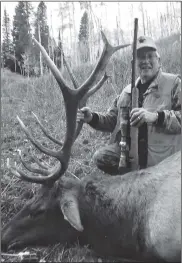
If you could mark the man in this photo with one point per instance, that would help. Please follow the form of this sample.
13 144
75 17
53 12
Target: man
158 116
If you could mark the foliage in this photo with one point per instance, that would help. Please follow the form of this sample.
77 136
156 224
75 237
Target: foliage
42 25
41 30
83 34
58 52
6 43
169 49
21 29
83 45
83 38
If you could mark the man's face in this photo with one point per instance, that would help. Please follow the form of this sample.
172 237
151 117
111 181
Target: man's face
148 63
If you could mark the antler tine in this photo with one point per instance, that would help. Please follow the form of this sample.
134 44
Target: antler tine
85 91
31 168
42 165
72 98
46 132
73 79
62 155
36 143
84 100
99 69
57 74
71 104
96 87
51 178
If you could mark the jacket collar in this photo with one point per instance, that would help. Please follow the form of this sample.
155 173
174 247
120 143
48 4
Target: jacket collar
154 83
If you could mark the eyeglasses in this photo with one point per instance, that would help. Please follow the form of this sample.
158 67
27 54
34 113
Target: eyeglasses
147 56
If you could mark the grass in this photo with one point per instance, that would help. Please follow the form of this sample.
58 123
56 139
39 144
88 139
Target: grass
21 96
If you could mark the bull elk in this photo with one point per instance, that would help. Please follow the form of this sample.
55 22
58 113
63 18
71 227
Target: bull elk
134 216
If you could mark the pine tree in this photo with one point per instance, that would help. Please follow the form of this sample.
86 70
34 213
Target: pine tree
6 43
83 38
41 32
58 52
83 34
21 29
41 23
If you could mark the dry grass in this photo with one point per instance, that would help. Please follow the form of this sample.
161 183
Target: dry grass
21 96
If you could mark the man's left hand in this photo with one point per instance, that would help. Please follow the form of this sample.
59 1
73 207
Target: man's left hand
140 115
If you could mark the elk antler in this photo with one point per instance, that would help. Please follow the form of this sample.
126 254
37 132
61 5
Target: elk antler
98 71
46 132
73 98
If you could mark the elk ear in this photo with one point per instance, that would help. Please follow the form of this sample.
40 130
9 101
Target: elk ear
70 209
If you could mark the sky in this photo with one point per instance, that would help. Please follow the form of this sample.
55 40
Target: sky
152 8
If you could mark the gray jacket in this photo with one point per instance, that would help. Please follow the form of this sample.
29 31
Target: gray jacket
163 94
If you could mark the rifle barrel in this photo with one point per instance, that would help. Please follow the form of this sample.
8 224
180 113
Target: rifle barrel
134 104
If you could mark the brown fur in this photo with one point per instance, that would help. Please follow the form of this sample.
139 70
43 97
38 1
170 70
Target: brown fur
135 216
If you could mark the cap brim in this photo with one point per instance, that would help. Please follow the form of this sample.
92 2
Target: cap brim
147 47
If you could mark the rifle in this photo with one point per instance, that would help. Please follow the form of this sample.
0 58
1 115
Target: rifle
134 104
129 146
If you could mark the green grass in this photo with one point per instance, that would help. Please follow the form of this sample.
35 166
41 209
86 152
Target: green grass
21 96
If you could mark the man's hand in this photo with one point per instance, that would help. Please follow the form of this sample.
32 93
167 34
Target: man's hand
84 114
140 115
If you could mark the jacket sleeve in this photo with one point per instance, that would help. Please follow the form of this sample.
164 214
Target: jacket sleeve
106 122
171 119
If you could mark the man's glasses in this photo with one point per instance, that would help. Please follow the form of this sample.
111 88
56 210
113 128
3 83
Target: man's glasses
146 56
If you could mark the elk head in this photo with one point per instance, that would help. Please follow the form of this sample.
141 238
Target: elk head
42 220
50 217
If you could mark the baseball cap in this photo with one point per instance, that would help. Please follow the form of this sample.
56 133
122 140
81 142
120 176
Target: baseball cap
143 42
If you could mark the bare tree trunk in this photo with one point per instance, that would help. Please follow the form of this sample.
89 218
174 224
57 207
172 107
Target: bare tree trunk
118 22
15 60
162 25
51 42
28 66
150 27
49 50
70 28
90 29
117 26
143 18
94 42
147 19
41 66
169 18
74 38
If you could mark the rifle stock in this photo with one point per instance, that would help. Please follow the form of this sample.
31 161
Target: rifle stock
134 104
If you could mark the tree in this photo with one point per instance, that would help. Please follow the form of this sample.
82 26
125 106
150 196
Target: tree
83 38
83 34
41 32
21 29
143 17
93 26
65 22
6 43
57 51
42 25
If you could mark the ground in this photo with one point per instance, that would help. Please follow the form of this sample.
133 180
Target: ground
20 97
